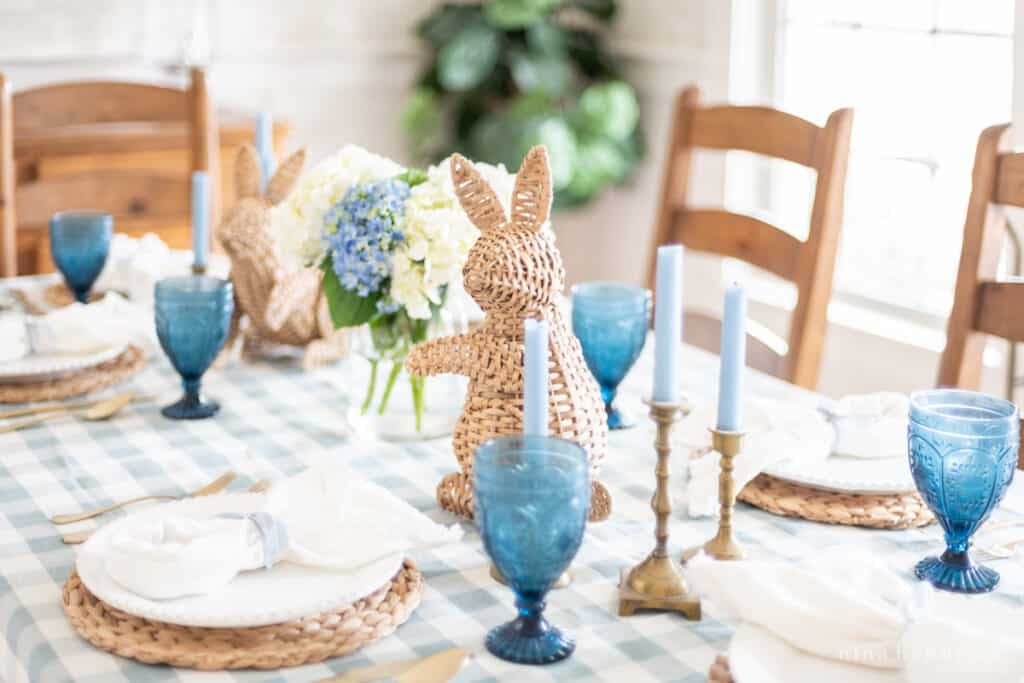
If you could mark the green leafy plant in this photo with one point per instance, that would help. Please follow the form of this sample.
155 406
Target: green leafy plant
505 75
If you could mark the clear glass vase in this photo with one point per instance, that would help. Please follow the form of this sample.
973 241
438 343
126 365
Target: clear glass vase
384 401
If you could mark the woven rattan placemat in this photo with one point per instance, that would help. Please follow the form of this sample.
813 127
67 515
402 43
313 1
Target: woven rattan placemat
304 641
57 295
895 511
86 381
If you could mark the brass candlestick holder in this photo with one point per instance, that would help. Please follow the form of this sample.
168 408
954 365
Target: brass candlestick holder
198 269
657 582
723 546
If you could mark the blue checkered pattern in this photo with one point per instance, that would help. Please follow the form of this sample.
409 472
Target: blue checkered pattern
277 419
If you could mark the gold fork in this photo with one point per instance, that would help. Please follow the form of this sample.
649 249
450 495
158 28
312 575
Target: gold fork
214 486
76 537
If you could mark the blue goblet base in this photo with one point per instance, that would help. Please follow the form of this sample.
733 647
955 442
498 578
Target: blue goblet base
191 408
529 640
957 573
618 419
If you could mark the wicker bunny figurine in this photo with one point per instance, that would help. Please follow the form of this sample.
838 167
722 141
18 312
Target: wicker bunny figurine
283 307
514 272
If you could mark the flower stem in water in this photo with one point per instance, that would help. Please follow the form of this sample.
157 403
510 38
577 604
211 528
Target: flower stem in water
370 388
396 368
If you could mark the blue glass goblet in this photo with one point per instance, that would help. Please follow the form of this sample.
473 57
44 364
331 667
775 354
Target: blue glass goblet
80 243
963 453
611 321
193 316
532 501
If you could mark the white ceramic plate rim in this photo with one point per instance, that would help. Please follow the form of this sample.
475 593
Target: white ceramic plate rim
251 599
823 475
40 367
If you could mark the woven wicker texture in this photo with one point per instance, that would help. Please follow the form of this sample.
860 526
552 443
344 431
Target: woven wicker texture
57 295
305 641
514 271
86 381
283 307
896 511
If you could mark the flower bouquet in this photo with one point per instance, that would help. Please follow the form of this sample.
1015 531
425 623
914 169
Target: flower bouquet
390 242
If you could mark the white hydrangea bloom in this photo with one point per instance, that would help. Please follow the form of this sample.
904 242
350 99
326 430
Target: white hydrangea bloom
438 237
297 222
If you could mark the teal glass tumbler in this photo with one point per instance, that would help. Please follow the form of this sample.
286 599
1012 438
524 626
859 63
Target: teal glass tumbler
193 317
963 454
80 244
532 498
611 321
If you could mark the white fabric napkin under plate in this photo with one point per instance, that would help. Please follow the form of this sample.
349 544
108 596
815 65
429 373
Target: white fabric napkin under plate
88 328
330 517
871 425
776 431
13 337
847 606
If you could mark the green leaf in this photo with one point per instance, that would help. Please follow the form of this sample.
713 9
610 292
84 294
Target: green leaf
467 60
546 38
421 120
591 56
557 136
347 308
608 110
538 73
598 163
447 22
602 9
513 14
413 176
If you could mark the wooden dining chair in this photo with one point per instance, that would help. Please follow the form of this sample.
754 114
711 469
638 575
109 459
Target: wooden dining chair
982 304
142 198
809 263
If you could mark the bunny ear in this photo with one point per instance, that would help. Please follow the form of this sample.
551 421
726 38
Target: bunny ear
531 199
475 195
247 173
287 173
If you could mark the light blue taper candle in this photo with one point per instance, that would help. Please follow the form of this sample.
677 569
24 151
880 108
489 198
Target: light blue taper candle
265 144
201 218
668 323
734 355
535 378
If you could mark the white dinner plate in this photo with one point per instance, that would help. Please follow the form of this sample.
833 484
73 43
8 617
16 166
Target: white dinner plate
255 598
39 367
848 475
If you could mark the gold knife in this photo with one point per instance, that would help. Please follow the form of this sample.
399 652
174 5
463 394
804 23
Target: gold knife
439 667
58 407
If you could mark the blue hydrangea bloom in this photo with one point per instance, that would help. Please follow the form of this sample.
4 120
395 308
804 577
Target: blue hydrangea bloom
362 229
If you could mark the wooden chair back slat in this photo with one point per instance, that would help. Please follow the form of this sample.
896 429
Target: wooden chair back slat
810 263
1001 309
27 200
69 104
760 130
121 193
1010 180
984 231
735 235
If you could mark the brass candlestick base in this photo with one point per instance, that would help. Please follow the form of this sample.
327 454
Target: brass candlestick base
563 581
723 546
657 583
198 269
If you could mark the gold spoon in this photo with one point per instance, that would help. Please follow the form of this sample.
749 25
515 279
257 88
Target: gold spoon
76 537
63 407
101 411
214 486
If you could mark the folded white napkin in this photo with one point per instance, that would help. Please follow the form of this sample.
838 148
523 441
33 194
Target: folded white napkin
776 431
327 516
849 607
871 425
88 328
13 337
135 265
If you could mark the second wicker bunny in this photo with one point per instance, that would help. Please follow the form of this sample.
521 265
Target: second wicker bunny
514 271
